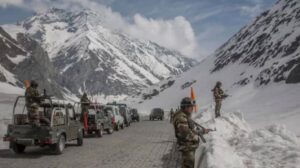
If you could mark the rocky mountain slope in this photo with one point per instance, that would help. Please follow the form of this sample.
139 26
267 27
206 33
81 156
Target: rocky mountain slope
270 45
259 68
90 57
23 58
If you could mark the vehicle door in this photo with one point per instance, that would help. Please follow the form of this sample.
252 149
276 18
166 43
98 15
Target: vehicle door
100 118
119 118
59 120
73 124
106 118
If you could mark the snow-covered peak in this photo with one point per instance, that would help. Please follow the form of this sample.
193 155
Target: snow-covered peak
83 48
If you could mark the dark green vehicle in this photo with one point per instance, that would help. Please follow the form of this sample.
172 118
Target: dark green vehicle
157 113
61 126
99 121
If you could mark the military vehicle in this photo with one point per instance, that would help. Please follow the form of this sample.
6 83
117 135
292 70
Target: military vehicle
117 119
134 115
99 121
157 113
124 111
62 128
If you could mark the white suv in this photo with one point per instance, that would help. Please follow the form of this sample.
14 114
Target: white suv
116 119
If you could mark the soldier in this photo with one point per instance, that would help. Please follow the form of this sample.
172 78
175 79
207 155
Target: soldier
85 103
32 103
186 133
218 96
171 115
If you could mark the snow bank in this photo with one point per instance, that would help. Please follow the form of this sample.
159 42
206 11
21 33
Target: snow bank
236 145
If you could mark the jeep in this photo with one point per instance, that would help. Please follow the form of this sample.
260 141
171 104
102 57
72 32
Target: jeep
62 126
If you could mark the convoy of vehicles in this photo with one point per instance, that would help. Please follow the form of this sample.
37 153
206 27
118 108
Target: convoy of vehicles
62 122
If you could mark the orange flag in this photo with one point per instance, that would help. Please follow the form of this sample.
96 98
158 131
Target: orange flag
193 97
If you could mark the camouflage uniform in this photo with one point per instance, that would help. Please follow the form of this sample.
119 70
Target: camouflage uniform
187 138
32 103
218 96
85 103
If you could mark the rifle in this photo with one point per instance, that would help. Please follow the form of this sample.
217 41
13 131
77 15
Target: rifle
225 96
199 129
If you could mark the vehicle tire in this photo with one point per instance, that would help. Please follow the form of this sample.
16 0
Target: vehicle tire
17 148
100 132
110 130
80 138
60 145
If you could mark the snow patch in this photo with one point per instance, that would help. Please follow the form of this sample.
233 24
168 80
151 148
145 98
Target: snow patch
17 59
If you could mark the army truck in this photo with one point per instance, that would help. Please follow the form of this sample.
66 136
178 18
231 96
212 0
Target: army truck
62 126
99 121
157 113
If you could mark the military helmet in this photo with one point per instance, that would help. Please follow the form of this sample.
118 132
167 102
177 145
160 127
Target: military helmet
219 84
33 83
187 102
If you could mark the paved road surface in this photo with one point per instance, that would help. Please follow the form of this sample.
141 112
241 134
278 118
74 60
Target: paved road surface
148 144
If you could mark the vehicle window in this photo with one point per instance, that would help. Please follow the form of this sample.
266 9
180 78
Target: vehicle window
92 111
122 110
108 112
59 116
100 114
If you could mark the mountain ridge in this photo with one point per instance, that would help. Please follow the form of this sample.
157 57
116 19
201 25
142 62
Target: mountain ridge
96 59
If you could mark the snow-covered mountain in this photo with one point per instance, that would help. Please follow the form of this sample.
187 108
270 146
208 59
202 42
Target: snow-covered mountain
93 58
259 68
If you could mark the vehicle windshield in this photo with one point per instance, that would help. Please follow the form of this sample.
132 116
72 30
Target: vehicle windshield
157 111
122 110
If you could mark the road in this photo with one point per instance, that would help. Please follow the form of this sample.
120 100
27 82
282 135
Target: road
147 144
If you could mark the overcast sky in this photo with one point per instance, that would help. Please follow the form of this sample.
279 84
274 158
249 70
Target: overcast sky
194 27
